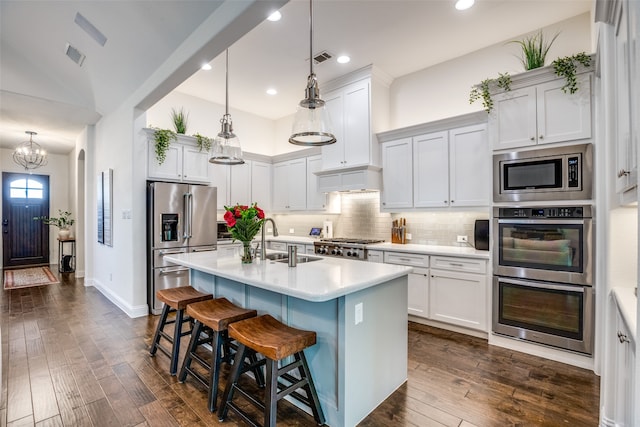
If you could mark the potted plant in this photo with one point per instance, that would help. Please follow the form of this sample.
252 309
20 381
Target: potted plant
180 119
534 50
244 222
204 142
163 139
63 222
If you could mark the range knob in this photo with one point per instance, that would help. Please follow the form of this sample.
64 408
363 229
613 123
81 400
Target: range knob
349 253
334 251
354 253
339 252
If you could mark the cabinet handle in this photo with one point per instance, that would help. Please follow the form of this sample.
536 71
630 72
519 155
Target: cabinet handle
445 202
453 264
533 138
453 201
384 203
541 137
622 173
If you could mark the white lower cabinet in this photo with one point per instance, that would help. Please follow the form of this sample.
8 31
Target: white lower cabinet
456 296
375 256
625 359
229 250
418 292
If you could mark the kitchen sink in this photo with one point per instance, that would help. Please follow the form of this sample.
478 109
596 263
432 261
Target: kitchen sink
301 259
277 256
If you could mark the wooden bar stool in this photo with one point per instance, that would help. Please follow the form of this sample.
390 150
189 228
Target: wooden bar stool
175 300
212 318
275 341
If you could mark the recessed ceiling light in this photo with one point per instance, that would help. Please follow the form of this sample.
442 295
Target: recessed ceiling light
272 91
275 16
206 67
464 4
343 59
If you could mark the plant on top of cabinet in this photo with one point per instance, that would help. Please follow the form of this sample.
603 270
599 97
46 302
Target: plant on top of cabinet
204 142
566 67
481 91
163 139
180 119
534 50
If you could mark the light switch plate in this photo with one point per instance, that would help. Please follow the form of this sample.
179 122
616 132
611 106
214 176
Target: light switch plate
359 315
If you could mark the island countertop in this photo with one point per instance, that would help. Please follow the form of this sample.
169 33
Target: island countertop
316 281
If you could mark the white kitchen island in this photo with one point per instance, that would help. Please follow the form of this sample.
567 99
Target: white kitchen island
357 309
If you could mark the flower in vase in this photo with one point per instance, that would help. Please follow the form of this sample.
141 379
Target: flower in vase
243 222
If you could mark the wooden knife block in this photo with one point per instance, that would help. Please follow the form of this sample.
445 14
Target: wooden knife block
398 235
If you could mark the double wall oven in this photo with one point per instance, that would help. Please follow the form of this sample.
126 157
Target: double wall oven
543 254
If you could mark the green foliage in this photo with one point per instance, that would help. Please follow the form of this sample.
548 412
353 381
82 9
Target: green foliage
482 91
180 119
163 138
204 142
63 221
243 222
566 67
534 50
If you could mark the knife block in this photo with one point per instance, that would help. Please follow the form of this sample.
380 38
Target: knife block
398 235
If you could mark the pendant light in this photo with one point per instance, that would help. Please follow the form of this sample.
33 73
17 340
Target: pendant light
226 146
312 124
29 154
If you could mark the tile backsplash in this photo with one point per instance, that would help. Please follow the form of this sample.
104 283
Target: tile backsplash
361 217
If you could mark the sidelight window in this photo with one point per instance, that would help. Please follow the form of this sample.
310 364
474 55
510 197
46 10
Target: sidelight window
26 188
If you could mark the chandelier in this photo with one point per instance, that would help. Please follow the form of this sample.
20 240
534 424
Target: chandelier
29 154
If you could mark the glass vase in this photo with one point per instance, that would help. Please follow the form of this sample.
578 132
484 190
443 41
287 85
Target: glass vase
246 255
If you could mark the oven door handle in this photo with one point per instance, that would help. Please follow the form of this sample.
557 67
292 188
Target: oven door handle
570 288
543 221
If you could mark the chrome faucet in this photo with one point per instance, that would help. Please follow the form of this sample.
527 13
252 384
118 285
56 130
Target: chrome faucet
263 248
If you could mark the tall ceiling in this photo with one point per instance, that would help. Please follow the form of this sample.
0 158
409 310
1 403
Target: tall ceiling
42 90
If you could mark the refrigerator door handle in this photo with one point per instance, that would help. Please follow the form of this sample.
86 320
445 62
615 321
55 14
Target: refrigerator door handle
190 198
186 215
164 272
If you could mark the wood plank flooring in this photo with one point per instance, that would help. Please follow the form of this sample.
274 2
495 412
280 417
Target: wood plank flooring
71 358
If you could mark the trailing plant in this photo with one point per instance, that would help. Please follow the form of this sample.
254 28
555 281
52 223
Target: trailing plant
534 50
63 221
566 67
163 139
180 119
204 142
481 91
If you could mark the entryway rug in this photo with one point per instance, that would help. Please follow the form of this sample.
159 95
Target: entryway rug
27 277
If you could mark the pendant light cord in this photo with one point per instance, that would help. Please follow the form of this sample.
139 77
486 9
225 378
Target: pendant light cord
227 85
310 37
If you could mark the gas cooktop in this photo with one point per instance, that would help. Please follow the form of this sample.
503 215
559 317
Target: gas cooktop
350 240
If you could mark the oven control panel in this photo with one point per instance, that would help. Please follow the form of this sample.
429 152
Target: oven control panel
544 212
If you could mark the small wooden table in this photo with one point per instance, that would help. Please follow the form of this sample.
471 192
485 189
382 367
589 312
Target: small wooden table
66 261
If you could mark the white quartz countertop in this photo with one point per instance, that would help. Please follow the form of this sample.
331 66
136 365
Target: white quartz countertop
628 305
315 281
467 252
292 239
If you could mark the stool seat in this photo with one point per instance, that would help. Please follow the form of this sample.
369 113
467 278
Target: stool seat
270 337
179 298
218 313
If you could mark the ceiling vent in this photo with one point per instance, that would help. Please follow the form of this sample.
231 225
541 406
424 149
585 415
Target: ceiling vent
75 55
321 57
90 29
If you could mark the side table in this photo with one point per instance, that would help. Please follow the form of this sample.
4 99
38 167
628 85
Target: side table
67 260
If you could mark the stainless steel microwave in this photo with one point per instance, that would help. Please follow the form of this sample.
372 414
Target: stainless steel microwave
556 173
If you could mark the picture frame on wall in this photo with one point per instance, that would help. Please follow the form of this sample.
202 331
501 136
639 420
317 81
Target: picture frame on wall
105 207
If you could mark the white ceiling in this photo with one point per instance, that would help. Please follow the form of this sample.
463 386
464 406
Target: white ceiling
44 91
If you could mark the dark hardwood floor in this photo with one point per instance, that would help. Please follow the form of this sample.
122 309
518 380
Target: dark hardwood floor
71 358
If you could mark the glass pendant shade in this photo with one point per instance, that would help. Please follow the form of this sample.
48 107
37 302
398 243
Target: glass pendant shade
226 146
312 123
29 154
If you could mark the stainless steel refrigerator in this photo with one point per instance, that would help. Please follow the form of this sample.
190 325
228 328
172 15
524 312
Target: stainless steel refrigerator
180 218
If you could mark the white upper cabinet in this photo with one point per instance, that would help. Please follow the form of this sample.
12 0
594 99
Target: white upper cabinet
541 114
240 184
261 184
247 183
431 170
316 199
397 179
290 185
469 166
184 162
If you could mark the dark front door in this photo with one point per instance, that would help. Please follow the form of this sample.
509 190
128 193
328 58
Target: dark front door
25 242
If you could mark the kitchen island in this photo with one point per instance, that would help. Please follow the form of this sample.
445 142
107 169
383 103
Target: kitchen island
357 309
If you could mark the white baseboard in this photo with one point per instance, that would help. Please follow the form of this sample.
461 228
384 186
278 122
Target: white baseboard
131 311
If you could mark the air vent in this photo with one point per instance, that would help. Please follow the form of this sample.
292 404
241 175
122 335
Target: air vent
90 29
74 54
321 57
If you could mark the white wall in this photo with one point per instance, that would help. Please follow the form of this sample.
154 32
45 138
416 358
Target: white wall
443 90
57 169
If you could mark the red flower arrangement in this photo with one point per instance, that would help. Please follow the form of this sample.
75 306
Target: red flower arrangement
243 222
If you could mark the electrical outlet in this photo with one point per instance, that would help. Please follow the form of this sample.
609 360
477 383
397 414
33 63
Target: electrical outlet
408 236
462 239
359 315
291 231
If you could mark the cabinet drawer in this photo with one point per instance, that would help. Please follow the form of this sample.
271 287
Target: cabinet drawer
375 256
406 259
278 246
459 264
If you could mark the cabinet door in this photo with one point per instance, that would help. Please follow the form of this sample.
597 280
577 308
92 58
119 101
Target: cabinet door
297 181
357 125
333 154
171 168
316 199
418 292
624 374
220 179
563 116
261 184
280 186
458 298
195 165
397 174
469 166
431 170
240 191
513 119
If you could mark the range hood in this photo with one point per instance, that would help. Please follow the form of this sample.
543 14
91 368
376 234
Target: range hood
355 178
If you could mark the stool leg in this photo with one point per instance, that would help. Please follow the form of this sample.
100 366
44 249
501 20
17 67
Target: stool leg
310 388
257 371
236 369
216 361
161 322
176 342
271 394
193 344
